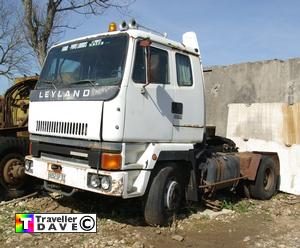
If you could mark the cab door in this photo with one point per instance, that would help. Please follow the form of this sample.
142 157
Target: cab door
188 105
148 115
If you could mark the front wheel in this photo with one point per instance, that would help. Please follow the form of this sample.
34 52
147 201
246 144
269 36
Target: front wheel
264 186
164 197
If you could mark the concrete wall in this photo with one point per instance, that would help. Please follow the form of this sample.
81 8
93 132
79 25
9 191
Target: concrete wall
257 82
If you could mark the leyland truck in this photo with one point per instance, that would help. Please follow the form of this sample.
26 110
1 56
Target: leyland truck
122 114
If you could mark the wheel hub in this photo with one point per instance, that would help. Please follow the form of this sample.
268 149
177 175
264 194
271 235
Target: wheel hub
268 179
172 195
13 172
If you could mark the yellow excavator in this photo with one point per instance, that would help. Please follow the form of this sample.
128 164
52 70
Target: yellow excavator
14 138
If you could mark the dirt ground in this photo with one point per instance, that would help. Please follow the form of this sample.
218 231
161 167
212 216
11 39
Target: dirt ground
241 223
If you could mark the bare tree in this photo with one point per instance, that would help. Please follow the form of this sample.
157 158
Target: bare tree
12 47
43 22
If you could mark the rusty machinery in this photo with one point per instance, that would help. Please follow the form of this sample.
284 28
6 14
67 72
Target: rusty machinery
14 140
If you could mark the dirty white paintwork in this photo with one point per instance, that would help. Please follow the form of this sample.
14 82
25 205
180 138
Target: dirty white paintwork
135 33
193 101
146 159
132 117
113 118
149 117
70 169
130 182
125 184
189 39
147 163
264 127
89 112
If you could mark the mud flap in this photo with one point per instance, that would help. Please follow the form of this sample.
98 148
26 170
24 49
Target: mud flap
192 193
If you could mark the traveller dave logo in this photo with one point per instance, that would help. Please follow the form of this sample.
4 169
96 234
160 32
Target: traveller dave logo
58 223
24 223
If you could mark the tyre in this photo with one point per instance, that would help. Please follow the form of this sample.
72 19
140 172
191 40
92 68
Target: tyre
12 175
3 194
165 196
13 144
264 186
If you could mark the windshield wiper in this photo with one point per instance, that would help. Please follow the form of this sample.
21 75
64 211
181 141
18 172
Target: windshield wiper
91 82
52 82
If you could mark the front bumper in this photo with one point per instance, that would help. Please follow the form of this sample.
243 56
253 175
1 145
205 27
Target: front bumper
76 176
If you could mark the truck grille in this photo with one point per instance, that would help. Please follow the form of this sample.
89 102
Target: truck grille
71 128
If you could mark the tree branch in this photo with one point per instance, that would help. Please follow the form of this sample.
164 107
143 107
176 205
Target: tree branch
42 23
12 48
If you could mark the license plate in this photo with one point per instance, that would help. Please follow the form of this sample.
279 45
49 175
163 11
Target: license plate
58 177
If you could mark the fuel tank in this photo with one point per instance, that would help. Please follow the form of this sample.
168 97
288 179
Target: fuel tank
220 167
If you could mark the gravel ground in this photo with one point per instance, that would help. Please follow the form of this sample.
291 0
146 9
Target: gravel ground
241 223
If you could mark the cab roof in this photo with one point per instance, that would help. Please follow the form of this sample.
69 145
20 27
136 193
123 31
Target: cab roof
136 33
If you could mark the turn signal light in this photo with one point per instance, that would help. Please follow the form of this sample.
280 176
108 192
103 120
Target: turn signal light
112 27
110 161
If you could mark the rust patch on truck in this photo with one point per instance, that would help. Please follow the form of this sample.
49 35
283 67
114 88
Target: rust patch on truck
249 163
116 188
291 124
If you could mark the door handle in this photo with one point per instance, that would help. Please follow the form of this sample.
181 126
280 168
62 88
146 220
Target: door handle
177 108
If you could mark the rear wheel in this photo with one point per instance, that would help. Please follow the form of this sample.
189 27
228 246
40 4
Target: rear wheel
165 196
264 186
12 177
3 194
12 174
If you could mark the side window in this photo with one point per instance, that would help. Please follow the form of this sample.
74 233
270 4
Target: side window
159 66
139 69
184 70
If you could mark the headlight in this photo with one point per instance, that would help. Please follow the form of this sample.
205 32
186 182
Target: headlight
95 181
28 165
105 183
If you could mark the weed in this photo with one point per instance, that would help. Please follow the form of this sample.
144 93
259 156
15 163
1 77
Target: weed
240 207
25 210
21 209
227 205
205 217
102 221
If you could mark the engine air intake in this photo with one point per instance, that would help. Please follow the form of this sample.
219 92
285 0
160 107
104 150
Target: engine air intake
71 128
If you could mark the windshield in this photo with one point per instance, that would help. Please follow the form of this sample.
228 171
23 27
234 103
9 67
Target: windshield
97 62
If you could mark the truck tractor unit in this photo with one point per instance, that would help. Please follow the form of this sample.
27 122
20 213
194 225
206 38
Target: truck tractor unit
122 114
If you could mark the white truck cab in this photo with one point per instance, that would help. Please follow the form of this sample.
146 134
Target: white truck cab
113 112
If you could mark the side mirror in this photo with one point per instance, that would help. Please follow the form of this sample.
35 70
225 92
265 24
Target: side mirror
145 43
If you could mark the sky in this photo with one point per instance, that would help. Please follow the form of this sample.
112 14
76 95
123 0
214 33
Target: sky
228 31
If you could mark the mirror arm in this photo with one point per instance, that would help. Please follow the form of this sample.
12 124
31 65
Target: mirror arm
149 76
